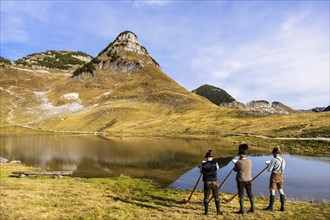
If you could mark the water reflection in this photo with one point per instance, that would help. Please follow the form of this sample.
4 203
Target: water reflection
161 160
167 161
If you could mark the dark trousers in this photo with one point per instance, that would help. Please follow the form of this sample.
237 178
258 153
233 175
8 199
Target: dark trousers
248 186
211 186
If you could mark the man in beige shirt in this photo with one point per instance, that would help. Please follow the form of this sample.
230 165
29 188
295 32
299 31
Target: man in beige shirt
243 168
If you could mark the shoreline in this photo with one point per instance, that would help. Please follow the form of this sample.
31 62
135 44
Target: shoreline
316 146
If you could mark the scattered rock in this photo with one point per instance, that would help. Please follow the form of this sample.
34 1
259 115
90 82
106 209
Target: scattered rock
3 160
22 175
58 176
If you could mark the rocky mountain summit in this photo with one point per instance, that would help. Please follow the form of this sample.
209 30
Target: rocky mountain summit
123 55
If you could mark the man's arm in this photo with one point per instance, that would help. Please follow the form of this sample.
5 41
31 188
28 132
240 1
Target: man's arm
271 165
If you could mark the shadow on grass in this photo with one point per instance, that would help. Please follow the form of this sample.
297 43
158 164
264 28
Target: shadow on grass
138 203
158 203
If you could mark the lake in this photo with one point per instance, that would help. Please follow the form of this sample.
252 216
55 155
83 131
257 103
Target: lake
172 163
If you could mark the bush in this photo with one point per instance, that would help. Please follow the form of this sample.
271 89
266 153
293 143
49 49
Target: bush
4 60
87 68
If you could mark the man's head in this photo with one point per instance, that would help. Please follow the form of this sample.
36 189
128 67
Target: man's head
276 151
242 149
209 156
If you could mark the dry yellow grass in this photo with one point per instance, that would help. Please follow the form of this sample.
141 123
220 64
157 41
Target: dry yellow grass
123 198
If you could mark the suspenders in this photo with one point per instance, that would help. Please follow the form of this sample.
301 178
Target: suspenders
280 169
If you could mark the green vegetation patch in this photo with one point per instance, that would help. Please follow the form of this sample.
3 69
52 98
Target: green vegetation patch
304 147
4 60
317 132
214 94
53 59
87 68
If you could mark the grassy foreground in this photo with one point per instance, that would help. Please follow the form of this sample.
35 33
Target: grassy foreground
122 198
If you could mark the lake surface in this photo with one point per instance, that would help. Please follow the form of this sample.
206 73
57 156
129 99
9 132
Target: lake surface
172 163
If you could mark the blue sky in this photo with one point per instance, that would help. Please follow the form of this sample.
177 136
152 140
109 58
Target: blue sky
255 50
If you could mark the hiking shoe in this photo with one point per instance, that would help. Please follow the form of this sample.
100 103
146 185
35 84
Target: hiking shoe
240 212
251 210
219 213
268 209
282 209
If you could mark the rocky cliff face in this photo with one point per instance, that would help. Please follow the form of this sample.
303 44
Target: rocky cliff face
233 104
258 104
124 55
127 41
281 108
262 107
259 107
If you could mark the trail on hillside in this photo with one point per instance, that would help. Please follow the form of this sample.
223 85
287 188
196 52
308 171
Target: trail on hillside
281 138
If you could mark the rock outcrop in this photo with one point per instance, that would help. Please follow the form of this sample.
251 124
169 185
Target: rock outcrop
55 59
123 55
233 104
258 104
3 160
282 109
260 107
256 107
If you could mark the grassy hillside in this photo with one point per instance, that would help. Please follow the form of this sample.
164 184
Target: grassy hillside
140 104
124 198
214 94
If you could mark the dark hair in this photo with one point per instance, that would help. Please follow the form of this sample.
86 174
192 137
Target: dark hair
208 154
242 148
276 150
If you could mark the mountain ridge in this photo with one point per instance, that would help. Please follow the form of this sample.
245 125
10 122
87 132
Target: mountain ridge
116 99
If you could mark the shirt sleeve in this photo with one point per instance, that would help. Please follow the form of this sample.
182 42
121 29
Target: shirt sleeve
271 165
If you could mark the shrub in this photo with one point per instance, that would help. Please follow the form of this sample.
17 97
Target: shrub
4 60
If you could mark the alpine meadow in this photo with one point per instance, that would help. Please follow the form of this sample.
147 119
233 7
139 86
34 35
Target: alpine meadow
112 134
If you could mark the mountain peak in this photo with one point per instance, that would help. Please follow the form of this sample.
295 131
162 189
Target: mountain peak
123 55
127 41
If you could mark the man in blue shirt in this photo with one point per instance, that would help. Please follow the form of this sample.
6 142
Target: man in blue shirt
209 170
276 167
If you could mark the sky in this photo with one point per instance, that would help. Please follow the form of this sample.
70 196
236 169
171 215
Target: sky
254 50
